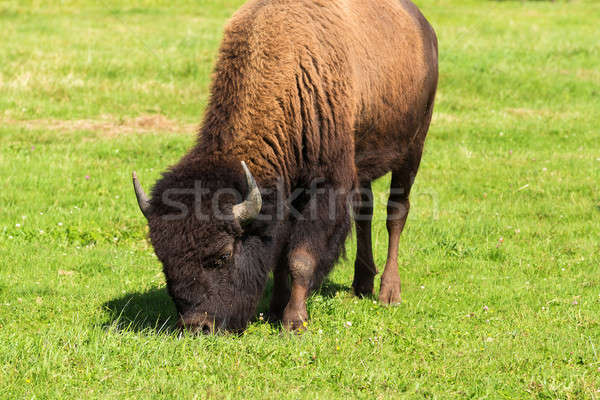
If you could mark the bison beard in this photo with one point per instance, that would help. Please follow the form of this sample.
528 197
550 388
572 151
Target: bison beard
318 98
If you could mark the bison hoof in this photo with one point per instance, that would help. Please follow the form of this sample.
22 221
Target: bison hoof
294 320
389 293
297 326
363 289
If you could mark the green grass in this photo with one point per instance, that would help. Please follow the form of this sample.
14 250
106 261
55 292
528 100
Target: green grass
505 216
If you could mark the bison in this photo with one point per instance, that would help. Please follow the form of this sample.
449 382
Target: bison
310 101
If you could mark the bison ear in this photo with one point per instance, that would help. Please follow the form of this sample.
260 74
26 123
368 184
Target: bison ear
142 199
249 208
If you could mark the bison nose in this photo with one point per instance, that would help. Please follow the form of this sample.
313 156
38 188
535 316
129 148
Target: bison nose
207 329
198 323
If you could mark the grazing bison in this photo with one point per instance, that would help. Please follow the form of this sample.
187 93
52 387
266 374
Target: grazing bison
310 101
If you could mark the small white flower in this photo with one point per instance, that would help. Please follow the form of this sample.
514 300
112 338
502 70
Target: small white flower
320 331
41 232
348 323
60 224
10 237
422 287
18 225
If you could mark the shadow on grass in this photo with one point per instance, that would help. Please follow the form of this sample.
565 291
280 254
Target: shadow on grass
154 310
330 289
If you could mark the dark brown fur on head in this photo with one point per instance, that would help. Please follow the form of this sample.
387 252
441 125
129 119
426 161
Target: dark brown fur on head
215 271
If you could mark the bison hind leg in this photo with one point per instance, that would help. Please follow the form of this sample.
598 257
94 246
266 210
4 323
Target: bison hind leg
364 265
397 212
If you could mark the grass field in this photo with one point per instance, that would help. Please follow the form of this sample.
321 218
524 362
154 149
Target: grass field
500 259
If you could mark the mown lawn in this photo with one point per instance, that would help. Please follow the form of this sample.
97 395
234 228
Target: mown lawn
499 260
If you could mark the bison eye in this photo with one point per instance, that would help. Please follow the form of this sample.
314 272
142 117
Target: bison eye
220 261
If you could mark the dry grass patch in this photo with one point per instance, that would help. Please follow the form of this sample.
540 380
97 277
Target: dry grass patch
541 113
441 118
107 125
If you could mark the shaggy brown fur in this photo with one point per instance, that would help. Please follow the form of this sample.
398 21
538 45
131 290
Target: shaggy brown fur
337 92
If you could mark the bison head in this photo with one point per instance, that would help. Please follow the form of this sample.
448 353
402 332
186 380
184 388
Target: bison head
210 263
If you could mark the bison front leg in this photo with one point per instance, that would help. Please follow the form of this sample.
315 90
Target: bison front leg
302 268
315 244
281 291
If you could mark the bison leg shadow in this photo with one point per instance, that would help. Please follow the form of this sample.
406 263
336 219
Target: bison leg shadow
152 310
328 289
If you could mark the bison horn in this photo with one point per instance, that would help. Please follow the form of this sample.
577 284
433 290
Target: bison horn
249 208
142 199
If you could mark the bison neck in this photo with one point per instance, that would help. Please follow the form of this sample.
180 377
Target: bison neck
286 107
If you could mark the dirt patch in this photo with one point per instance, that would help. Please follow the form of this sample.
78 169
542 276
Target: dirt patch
530 112
527 112
107 125
582 73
